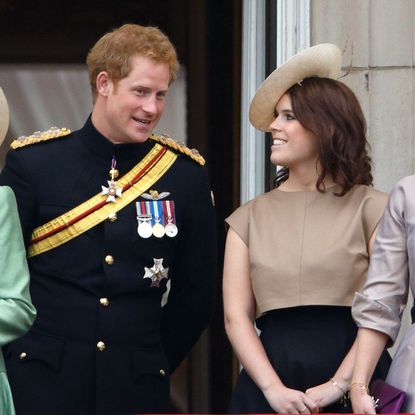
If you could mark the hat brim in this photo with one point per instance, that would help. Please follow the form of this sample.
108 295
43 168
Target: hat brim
322 60
4 116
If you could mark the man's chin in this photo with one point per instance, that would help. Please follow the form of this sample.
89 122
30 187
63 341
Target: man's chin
131 139
139 137
142 138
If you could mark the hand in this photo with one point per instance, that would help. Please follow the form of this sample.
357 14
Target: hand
362 403
289 401
326 393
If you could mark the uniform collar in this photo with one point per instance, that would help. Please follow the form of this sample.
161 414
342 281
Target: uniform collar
104 148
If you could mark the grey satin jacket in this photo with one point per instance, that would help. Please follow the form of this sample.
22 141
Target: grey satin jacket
380 304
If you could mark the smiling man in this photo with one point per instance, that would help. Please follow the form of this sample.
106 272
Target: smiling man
119 228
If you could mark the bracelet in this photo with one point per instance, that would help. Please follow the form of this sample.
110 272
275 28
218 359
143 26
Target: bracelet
334 383
359 385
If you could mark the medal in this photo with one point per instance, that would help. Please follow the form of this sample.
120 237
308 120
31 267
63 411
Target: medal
156 217
112 191
144 228
171 228
156 273
158 228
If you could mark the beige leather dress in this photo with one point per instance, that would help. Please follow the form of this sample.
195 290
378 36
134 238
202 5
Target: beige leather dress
308 248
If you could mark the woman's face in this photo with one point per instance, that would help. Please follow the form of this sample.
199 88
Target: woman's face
292 145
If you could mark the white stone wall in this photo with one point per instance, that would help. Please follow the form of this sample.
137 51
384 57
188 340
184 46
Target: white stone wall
378 41
377 38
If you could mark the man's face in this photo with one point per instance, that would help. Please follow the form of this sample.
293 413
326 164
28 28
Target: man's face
133 106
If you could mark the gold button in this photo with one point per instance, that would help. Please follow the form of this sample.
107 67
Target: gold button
109 259
23 356
162 372
101 346
112 217
104 302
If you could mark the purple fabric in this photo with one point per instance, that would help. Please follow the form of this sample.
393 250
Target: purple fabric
390 398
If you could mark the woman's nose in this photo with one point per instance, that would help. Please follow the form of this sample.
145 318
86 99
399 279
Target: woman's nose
275 125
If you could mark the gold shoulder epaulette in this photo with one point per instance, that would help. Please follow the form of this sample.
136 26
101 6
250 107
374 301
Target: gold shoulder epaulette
39 136
177 145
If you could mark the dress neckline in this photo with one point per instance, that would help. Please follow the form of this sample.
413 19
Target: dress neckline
329 189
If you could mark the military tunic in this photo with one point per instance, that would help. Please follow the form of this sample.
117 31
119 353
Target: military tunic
102 343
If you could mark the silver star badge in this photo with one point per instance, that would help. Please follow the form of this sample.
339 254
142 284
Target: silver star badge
156 273
112 191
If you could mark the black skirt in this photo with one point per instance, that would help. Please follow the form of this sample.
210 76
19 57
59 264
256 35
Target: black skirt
305 346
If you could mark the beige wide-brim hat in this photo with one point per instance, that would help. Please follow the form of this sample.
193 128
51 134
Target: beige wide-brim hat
4 116
322 60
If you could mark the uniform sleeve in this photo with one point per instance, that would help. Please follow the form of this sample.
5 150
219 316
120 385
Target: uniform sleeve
16 310
191 297
373 209
380 304
15 175
239 222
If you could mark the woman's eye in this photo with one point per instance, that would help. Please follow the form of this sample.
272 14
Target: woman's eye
290 117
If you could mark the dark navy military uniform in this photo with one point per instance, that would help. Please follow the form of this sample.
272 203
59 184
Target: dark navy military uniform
102 343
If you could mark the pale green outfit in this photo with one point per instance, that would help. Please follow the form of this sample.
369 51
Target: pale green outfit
16 310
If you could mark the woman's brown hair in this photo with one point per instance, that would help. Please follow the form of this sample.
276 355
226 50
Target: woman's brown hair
331 111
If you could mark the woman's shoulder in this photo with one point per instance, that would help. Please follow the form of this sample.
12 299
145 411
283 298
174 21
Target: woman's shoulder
6 192
406 183
403 192
368 192
8 204
404 188
251 207
259 200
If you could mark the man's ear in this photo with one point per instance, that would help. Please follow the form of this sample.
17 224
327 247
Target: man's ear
103 83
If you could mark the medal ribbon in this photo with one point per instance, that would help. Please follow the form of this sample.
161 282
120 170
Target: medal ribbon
142 211
158 211
138 209
170 211
95 210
